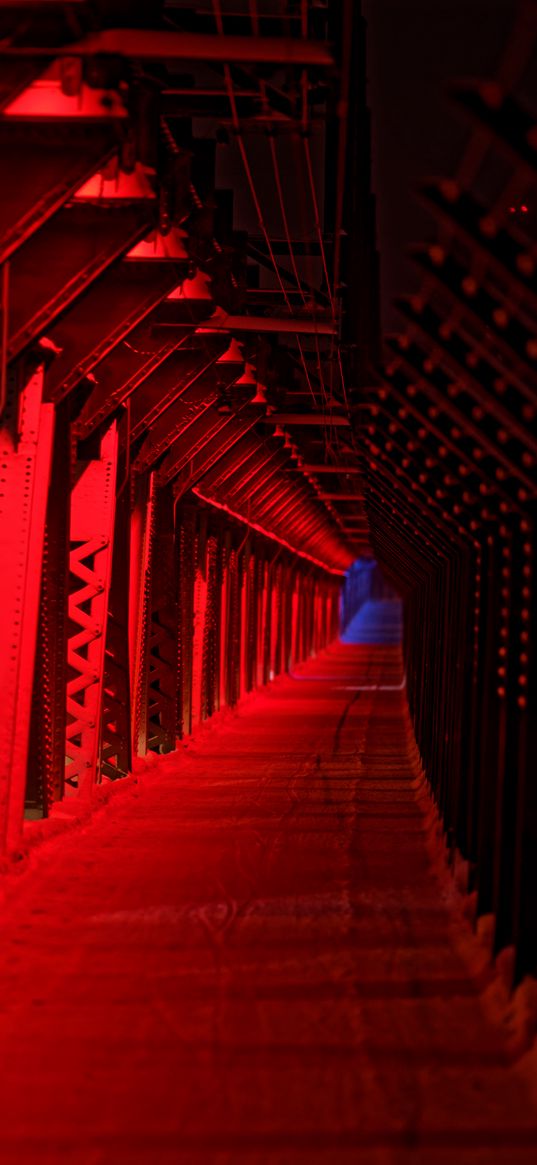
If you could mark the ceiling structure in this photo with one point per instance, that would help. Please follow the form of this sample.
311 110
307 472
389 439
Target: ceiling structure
450 423
177 231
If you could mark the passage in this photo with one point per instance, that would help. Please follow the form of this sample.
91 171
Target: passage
249 957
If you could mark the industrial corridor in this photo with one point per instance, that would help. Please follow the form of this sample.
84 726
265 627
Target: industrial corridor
253 956
268 615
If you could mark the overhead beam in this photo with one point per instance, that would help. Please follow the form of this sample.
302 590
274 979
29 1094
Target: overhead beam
40 171
501 115
189 465
481 304
354 469
307 419
339 497
504 255
296 325
61 261
95 324
147 44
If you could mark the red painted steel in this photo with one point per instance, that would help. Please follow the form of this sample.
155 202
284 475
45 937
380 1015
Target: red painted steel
26 438
90 564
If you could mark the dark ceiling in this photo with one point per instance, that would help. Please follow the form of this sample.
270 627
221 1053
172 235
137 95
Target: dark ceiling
414 50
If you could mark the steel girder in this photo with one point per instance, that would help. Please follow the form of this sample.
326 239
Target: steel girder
26 449
476 373
126 555
513 342
114 379
93 504
169 412
108 314
149 44
513 125
62 259
115 745
473 421
504 255
46 761
449 428
43 164
190 459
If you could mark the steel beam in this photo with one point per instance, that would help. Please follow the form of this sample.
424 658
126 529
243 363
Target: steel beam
184 379
163 628
92 538
513 339
437 382
25 446
115 745
222 322
46 757
41 167
147 44
206 454
458 352
62 259
120 374
182 453
500 114
142 535
297 325
96 324
501 250
307 419
339 497
312 468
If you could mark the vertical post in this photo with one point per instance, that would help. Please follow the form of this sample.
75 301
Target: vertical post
116 757
224 623
141 591
198 631
26 438
4 334
93 503
159 666
277 608
187 537
262 570
46 757
211 629
234 637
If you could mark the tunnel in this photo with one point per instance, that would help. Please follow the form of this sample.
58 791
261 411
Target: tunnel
268 393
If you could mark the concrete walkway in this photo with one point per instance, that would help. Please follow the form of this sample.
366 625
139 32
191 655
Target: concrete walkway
248 958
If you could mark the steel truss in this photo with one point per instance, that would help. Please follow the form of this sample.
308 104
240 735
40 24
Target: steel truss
93 504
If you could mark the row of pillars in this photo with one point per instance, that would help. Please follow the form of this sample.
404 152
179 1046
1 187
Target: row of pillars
128 615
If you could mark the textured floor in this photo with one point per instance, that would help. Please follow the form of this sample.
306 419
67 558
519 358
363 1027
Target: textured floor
249 959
